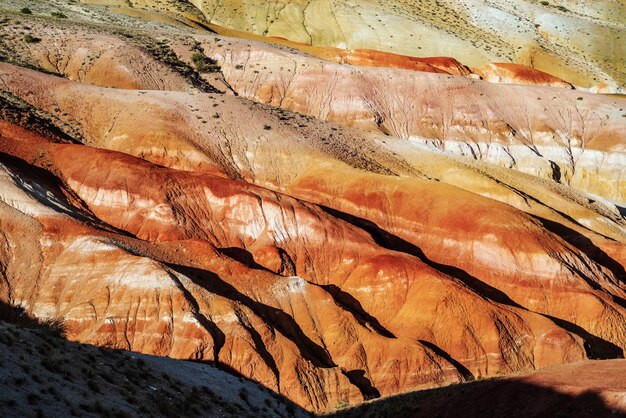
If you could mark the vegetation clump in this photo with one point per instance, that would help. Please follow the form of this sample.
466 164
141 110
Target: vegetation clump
161 50
30 39
203 63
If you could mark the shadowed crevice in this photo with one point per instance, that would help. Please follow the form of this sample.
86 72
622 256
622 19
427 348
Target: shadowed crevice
349 303
528 197
259 346
343 299
15 110
395 243
219 338
358 379
243 256
586 246
277 319
596 347
51 192
467 375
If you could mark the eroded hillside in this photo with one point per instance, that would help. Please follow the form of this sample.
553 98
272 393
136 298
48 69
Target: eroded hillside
190 195
581 42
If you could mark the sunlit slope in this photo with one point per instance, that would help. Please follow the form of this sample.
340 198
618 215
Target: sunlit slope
582 43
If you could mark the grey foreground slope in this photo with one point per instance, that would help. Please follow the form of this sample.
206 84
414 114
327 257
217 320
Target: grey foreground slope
44 375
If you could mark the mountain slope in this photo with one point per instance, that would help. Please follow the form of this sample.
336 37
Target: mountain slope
159 194
579 42
175 208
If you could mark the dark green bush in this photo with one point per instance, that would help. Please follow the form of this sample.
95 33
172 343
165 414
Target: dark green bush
204 63
30 39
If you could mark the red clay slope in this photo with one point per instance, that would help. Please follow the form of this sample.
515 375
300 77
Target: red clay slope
277 289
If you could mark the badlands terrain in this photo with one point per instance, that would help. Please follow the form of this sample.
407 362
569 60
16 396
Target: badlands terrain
336 209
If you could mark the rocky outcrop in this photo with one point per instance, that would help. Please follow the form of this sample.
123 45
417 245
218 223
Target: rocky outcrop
372 58
502 72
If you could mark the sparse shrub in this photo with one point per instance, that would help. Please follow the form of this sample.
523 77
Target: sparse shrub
243 394
97 406
58 15
26 11
204 63
162 52
93 386
53 363
30 39
343 404
164 407
32 398
8 340
118 413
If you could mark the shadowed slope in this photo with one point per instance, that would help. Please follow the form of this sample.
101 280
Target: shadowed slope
593 389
